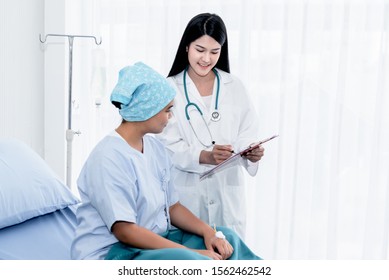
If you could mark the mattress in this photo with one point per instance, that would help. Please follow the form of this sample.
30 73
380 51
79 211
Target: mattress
46 237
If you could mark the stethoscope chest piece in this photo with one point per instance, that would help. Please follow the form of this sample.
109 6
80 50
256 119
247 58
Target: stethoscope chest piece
215 116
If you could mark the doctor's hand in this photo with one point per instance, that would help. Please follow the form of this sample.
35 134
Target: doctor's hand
255 154
220 153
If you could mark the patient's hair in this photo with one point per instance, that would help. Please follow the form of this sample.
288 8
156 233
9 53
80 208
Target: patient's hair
202 24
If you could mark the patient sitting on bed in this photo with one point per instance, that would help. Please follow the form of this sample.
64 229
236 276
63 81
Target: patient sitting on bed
129 204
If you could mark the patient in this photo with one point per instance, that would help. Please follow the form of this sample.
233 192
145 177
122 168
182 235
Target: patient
129 203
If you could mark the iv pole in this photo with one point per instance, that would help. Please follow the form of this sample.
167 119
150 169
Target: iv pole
69 132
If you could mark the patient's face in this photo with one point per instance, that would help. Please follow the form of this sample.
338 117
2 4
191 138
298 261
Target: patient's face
158 122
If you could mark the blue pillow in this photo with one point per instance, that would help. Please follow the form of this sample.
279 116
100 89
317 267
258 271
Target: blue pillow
28 187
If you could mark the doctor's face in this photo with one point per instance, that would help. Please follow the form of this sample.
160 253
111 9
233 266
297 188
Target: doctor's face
203 54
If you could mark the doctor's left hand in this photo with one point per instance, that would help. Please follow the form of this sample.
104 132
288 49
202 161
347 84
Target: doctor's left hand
255 154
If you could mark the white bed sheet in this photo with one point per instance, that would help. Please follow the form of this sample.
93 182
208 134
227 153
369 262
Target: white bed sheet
46 237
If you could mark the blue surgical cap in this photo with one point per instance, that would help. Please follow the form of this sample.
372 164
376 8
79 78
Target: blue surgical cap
141 92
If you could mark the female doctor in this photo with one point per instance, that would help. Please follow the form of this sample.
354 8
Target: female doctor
212 117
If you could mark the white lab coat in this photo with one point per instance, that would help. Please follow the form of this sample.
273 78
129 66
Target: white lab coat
219 199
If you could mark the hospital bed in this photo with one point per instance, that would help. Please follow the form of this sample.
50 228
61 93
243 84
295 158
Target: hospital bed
37 211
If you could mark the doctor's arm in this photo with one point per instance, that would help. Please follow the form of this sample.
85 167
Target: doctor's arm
248 132
190 157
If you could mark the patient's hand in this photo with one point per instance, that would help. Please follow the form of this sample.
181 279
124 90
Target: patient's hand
210 253
220 246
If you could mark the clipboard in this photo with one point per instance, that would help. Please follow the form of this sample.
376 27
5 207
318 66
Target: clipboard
235 157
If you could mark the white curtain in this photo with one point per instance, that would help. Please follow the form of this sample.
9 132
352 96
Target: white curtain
317 72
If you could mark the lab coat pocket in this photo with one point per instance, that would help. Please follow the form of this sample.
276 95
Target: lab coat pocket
234 199
234 214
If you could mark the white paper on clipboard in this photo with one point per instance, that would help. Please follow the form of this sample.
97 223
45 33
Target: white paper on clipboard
231 160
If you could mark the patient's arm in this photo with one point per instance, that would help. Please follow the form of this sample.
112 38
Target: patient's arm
182 218
136 236
139 237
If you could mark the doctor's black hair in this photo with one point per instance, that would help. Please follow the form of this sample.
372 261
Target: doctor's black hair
202 24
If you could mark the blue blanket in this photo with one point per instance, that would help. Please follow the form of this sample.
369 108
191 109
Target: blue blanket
121 251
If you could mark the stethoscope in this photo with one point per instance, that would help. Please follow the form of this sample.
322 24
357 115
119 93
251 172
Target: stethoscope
215 116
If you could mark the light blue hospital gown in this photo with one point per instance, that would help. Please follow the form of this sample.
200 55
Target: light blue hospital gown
118 183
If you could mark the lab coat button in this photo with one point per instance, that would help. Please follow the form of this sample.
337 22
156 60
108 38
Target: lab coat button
211 202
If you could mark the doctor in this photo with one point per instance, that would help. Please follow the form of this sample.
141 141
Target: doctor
212 117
